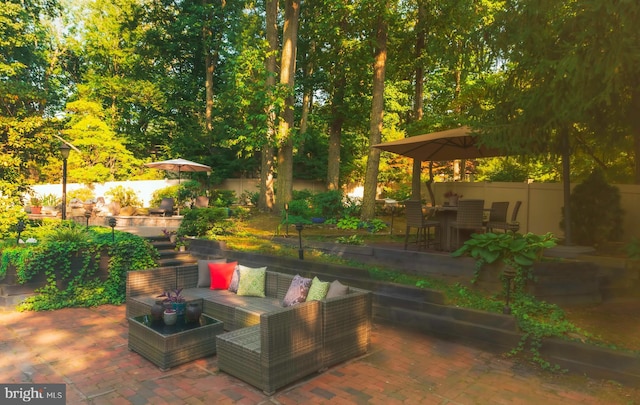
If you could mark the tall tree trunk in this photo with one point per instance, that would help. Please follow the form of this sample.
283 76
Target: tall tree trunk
418 103
307 97
335 132
210 60
266 200
566 184
377 111
284 182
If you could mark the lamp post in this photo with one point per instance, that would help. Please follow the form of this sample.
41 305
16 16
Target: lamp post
286 219
87 214
20 227
112 224
64 151
391 203
299 228
509 273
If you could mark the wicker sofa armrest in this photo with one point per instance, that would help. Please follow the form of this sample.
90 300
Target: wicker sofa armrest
150 281
346 326
284 347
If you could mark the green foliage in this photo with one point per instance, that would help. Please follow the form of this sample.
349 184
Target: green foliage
83 194
515 250
72 245
166 192
348 222
299 208
126 196
51 200
327 204
223 198
205 221
11 210
633 249
188 191
596 214
350 240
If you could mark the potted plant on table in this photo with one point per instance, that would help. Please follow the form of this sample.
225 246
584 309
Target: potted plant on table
174 300
452 198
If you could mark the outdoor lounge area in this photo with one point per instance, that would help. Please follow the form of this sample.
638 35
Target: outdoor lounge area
275 337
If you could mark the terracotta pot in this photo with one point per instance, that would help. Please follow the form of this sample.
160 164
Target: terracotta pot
36 210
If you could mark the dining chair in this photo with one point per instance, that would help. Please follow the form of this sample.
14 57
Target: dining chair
468 217
415 218
498 216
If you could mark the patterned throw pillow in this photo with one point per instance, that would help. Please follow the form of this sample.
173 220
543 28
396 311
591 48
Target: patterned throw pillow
252 281
221 274
297 292
318 290
337 289
235 280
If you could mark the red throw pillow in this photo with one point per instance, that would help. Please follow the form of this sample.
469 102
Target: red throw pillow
221 274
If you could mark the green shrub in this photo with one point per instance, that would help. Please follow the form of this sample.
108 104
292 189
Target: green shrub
166 192
596 214
51 200
203 221
327 204
223 198
82 194
125 196
299 208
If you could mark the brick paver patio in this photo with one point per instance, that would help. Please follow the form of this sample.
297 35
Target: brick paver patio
87 350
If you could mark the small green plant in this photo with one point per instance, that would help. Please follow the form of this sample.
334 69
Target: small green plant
51 200
349 222
515 250
36 201
350 240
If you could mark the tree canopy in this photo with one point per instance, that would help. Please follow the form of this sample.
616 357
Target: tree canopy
130 81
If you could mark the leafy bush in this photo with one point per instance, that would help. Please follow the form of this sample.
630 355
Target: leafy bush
299 208
223 198
53 254
205 221
166 192
327 204
125 196
11 209
82 194
348 222
596 214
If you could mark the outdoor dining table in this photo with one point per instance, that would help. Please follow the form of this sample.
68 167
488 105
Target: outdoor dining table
446 214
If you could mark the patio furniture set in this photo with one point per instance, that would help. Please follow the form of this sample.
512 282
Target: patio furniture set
441 227
268 328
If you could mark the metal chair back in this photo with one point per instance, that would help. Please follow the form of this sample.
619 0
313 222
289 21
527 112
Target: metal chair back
516 208
413 213
469 214
499 211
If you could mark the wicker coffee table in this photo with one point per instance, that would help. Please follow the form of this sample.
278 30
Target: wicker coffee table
169 346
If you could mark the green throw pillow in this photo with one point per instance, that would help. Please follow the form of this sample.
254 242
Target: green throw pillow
318 290
252 281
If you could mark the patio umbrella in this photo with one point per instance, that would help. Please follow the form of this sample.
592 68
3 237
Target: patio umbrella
451 144
179 165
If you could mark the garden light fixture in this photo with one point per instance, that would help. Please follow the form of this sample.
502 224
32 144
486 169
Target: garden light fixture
112 224
20 228
299 228
64 151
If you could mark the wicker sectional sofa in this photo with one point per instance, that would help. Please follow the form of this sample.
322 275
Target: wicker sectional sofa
267 345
